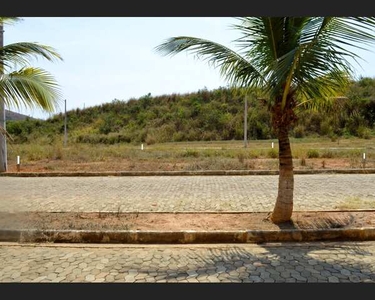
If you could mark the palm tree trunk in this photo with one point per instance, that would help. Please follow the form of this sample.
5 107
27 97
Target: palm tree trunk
3 145
283 209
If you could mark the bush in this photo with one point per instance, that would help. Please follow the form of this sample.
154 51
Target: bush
241 157
272 153
299 131
112 138
190 153
150 139
312 153
326 128
327 154
333 137
178 136
58 152
363 132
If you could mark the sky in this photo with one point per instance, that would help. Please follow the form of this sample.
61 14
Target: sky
107 58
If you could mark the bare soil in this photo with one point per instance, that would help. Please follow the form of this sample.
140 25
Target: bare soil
183 221
47 165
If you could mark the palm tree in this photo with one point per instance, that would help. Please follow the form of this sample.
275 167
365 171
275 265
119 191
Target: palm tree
28 86
294 60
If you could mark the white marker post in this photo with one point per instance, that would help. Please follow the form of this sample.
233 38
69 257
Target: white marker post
141 146
18 163
272 145
364 160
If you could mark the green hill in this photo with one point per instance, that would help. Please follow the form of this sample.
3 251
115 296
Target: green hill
203 115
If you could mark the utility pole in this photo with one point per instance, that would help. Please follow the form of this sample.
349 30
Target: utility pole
3 141
245 124
65 133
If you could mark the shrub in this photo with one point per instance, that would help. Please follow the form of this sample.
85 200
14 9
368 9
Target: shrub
112 138
327 154
363 132
190 153
241 157
58 153
312 153
326 128
178 136
333 137
299 131
150 139
272 153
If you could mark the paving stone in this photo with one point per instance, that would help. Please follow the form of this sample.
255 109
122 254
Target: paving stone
285 274
333 279
346 272
52 276
354 278
129 278
138 194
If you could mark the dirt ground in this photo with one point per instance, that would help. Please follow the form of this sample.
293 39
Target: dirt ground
183 221
160 165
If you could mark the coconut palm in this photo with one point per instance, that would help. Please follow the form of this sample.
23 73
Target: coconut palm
27 86
294 60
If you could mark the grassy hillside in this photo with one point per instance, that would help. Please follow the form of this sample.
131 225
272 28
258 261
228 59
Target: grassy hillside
200 116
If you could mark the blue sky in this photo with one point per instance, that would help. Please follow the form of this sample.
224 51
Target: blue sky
108 58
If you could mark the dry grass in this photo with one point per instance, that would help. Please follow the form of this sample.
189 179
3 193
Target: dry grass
181 221
218 155
356 203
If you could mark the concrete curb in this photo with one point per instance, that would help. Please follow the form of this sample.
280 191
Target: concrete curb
184 173
185 237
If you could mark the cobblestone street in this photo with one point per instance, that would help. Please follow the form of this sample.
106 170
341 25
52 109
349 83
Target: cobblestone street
179 193
308 262
289 262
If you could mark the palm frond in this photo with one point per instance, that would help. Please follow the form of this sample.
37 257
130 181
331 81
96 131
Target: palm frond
329 105
307 56
235 68
30 87
323 53
9 20
20 53
258 42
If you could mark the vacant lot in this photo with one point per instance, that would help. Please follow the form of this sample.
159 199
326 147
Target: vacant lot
308 153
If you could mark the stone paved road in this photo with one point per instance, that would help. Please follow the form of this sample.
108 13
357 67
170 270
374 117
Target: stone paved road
309 262
178 193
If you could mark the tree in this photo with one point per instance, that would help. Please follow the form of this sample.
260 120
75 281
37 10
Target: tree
294 60
28 86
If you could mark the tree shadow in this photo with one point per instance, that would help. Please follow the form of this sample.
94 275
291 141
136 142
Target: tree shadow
284 262
287 262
